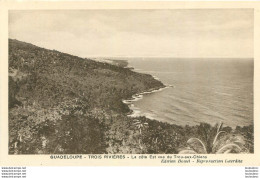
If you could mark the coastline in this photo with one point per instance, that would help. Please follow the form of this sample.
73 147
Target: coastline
66 105
134 111
150 114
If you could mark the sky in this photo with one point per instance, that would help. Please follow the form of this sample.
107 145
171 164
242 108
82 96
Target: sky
197 33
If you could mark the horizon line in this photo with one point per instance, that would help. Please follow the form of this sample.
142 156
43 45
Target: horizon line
125 56
96 56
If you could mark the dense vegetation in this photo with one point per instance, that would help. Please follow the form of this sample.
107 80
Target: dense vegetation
59 103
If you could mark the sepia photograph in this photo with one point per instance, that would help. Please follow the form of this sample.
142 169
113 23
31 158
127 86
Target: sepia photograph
131 81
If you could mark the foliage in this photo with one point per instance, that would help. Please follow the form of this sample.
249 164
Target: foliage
211 141
59 103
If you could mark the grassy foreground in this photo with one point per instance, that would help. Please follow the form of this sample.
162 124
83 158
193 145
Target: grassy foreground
59 103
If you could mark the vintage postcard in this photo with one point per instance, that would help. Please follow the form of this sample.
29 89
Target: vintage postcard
130 83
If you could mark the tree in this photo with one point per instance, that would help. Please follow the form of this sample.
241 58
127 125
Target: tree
140 126
228 144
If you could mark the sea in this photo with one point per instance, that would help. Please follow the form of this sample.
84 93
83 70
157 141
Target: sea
198 90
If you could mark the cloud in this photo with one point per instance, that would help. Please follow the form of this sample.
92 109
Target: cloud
178 33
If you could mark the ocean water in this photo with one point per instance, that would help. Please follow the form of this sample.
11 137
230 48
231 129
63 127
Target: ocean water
203 90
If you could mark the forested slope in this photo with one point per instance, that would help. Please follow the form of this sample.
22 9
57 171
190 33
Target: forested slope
59 103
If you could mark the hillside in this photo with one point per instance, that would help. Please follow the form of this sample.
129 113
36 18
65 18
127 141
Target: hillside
57 75
59 103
